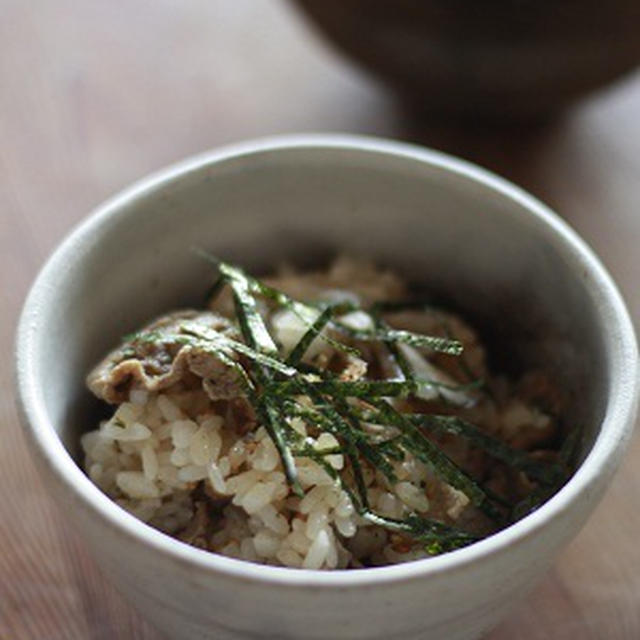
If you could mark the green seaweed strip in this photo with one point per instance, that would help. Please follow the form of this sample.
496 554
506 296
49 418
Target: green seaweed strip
256 335
302 449
400 358
541 494
333 412
214 290
298 352
350 432
534 500
569 449
272 424
251 323
438 536
214 347
387 448
326 416
224 342
305 312
421 305
218 283
360 506
271 420
396 353
435 343
306 451
421 447
426 530
346 425
521 460
331 451
270 414
363 389
245 380
351 450
349 389
463 364
391 448
217 343
372 454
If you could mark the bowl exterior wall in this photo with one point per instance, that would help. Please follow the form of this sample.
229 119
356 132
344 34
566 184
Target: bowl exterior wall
190 604
439 221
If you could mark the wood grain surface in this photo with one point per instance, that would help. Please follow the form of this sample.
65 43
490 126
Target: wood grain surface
95 94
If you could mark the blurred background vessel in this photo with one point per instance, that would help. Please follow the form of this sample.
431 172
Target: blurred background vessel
510 59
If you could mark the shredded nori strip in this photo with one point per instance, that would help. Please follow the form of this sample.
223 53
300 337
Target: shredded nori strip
299 351
428 452
544 472
255 333
365 388
435 343
274 385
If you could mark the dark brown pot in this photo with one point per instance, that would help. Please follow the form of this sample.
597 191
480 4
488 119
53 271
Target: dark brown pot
491 58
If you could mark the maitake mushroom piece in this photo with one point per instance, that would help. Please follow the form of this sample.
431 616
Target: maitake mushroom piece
158 357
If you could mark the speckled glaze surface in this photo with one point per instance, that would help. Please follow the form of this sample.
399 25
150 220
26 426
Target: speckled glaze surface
447 224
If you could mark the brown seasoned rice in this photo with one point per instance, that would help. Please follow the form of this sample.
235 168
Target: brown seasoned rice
197 469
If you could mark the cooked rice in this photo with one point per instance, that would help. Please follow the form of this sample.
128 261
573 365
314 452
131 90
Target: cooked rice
196 469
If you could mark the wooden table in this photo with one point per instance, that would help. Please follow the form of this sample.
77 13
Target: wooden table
95 94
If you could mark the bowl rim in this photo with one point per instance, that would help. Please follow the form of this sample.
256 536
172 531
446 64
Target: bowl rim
615 431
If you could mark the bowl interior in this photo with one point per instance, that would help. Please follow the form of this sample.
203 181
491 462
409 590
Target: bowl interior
476 245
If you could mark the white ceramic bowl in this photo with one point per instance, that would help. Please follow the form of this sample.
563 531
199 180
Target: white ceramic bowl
499 255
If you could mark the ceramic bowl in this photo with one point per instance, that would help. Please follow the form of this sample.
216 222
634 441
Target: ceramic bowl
494 252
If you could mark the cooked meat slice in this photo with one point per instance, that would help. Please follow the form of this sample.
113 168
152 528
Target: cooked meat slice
161 355
347 279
